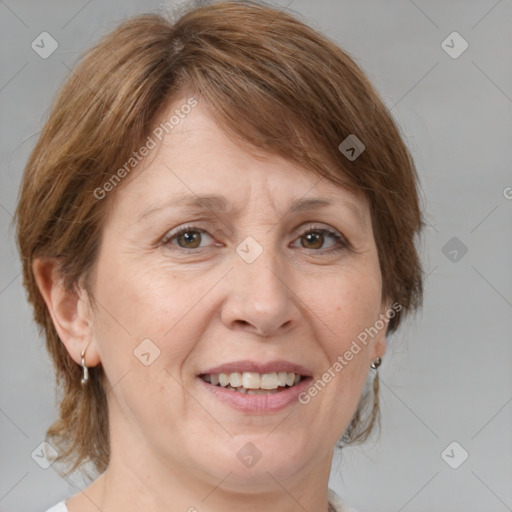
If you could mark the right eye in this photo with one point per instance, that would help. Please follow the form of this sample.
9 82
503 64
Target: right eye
187 237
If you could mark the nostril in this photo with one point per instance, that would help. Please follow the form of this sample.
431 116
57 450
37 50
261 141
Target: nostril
242 323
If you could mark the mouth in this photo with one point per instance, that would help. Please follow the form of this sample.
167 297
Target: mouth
256 388
253 383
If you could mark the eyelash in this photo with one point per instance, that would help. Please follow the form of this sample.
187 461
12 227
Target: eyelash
341 243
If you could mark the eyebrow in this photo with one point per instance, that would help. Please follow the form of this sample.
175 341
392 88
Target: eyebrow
216 203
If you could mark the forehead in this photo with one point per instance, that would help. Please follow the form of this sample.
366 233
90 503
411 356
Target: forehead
198 166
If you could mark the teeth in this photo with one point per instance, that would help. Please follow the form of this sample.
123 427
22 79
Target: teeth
253 383
251 380
235 379
261 391
269 381
223 379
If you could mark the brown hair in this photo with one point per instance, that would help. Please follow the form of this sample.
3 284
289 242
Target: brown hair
270 81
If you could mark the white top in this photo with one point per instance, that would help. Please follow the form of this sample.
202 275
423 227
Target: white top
60 507
334 501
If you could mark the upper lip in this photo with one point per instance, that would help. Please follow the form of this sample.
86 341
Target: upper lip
252 366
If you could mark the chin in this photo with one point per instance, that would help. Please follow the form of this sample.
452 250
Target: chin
257 461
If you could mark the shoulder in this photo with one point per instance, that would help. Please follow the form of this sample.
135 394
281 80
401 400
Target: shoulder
336 503
60 507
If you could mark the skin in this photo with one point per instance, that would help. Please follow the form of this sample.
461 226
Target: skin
173 445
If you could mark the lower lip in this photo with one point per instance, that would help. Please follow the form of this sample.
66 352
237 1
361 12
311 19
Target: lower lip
258 403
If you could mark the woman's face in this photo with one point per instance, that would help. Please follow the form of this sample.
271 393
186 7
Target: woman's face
251 287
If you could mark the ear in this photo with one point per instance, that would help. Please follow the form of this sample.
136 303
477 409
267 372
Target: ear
379 344
71 312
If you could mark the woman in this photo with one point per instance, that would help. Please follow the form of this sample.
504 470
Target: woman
217 227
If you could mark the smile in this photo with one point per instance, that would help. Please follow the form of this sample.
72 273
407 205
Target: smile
256 388
253 383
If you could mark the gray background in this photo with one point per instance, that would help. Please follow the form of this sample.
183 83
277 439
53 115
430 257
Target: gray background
446 376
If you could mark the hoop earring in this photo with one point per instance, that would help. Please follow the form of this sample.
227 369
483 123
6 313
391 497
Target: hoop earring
85 377
376 363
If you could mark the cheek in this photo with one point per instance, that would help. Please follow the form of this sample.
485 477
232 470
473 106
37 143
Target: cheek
150 313
137 312
345 313
140 300
347 304
141 311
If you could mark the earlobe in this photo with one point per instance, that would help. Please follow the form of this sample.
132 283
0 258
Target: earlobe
379 347
380 342
69 310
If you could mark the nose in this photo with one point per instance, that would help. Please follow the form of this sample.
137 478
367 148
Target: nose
260 298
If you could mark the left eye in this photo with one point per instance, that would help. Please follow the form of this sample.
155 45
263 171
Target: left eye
189 237
316 237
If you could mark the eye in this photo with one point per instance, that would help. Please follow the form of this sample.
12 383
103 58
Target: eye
314 238
187 237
